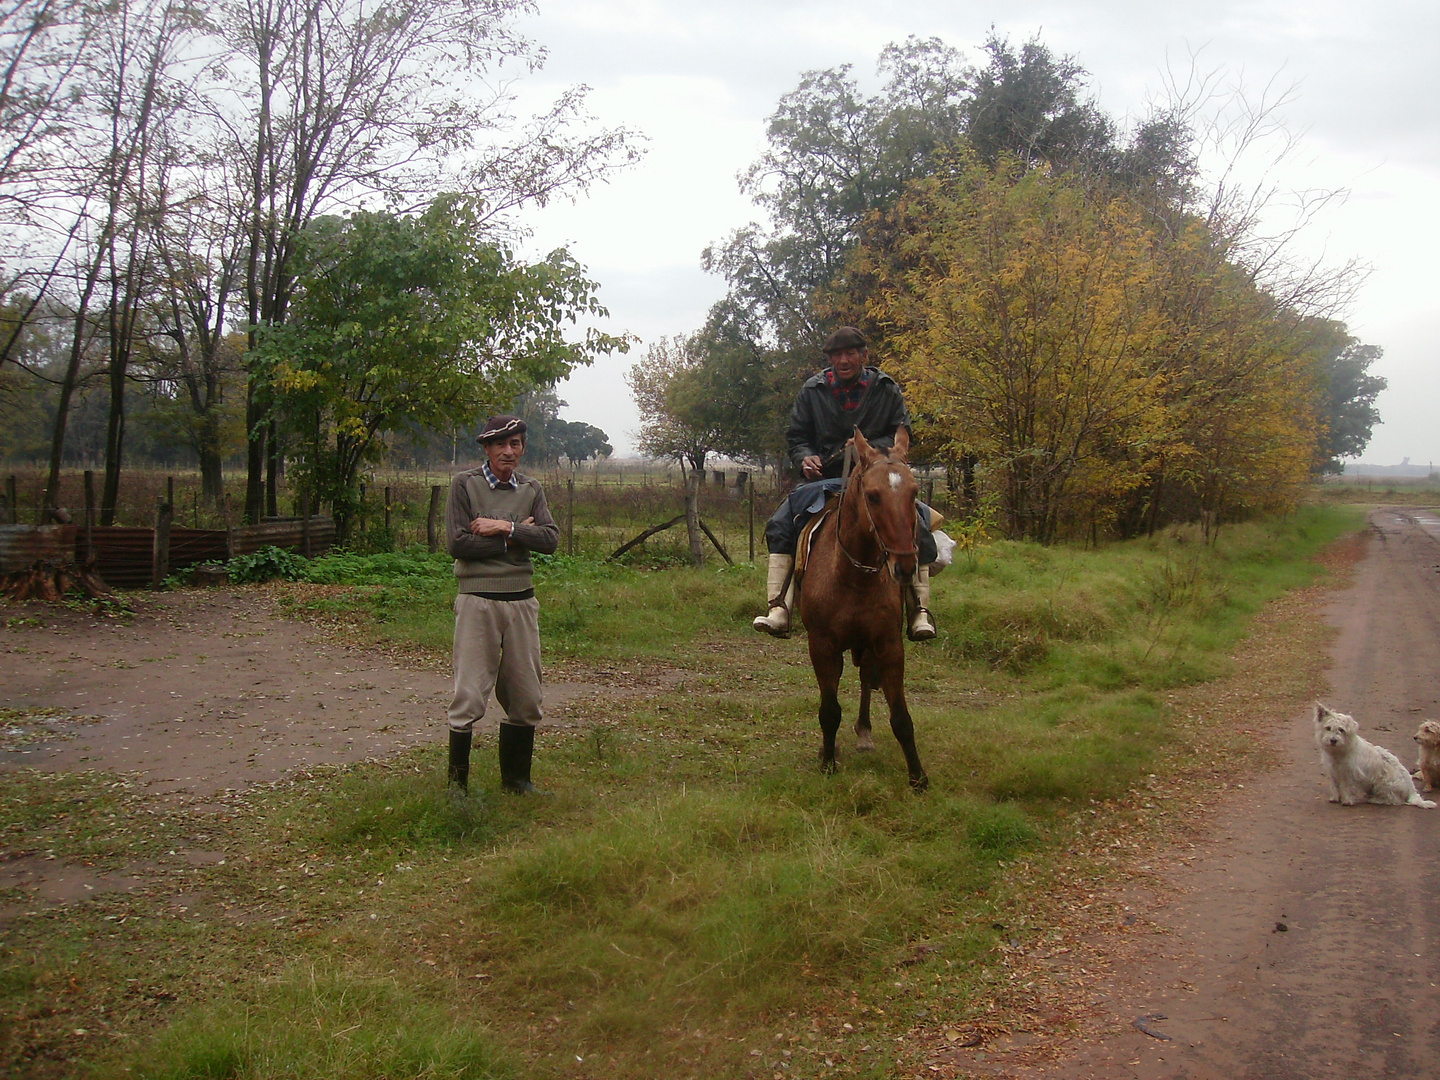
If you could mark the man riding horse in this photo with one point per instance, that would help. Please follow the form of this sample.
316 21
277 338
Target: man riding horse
848 394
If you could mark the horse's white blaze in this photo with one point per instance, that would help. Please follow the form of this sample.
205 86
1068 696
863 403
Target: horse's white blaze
895 480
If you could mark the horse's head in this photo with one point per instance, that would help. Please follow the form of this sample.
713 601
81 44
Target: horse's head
886 488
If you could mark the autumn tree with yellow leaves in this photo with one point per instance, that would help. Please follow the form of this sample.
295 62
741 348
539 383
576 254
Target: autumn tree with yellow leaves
1099 368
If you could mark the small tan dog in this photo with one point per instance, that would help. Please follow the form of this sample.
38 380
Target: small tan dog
1360 771
1428 767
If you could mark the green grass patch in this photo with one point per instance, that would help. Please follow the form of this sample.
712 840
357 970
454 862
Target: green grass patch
696 899
311 1024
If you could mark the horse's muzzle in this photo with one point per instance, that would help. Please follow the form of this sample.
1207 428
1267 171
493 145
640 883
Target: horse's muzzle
902 566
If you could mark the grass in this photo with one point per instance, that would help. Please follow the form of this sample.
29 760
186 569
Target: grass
697 900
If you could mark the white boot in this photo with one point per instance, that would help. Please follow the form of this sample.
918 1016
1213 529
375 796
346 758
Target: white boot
780 591
917 601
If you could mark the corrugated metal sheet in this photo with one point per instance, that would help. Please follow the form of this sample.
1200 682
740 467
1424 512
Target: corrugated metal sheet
286 533
123 555
22 545
191 546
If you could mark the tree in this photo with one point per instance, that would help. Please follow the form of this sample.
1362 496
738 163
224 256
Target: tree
129 71
1027 106
1348 406
577 441
337 101
412 320
664 385
834 157
1022 319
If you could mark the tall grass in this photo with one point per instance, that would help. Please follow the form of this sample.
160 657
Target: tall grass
697 900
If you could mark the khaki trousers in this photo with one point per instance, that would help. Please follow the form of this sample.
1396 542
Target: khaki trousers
497 648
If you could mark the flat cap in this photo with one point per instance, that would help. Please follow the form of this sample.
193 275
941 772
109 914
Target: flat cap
501 427
847 337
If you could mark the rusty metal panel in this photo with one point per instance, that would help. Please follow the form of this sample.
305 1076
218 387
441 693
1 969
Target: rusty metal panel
122 555
286 533
191 546
22 545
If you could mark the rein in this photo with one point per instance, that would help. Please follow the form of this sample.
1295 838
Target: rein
870 519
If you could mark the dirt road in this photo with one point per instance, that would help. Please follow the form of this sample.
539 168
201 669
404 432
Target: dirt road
1306 941
208 691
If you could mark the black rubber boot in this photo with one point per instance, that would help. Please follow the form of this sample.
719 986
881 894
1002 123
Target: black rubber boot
517 746
459 776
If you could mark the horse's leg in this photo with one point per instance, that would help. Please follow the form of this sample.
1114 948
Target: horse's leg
891 662
828 664
864 740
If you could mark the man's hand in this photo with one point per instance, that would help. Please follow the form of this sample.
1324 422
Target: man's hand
483 526
812 467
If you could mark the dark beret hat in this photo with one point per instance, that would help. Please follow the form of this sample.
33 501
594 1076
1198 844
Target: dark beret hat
501 427
847 337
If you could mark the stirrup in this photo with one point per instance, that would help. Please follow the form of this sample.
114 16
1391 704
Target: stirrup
916 631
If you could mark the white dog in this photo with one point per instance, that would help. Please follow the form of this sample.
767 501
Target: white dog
1360 771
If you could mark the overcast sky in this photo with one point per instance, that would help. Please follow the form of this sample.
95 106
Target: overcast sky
699 80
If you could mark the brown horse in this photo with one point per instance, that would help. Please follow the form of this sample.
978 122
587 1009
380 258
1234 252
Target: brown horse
850 596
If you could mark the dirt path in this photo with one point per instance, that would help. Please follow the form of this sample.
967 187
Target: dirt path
1304 942
208 691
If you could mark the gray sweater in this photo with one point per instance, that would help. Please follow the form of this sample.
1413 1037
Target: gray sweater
497 564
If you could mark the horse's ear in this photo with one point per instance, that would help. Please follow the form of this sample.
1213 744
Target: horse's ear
864 452
902 443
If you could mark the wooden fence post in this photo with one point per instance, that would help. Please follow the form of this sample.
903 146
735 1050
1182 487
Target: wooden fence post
432 519
692 518
305 522
570 516
751 515
387 510
229 529
160 548
89 514
12 497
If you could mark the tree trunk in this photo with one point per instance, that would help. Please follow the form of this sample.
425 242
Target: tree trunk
254 456
272 470
212 476
114 444
67 391
692 518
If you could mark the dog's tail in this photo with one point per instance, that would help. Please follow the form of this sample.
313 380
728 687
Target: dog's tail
1416 800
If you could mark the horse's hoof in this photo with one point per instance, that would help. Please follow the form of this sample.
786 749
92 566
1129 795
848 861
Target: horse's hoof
919 784
864 745
829 768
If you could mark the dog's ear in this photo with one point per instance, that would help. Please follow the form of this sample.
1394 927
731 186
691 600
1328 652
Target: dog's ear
1320 712
1351 725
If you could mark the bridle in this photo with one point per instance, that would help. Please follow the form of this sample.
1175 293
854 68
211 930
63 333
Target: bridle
870 520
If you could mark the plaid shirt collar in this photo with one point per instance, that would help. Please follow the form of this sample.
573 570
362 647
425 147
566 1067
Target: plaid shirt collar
849 396
495 482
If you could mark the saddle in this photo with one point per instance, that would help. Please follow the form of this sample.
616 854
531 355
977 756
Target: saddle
807 533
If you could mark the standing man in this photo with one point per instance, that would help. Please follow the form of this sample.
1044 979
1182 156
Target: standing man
496 517
830 406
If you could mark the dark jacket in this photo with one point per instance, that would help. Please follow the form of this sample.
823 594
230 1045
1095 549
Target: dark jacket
818 425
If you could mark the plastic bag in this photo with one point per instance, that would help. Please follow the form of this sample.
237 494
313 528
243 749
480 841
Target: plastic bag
946 549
